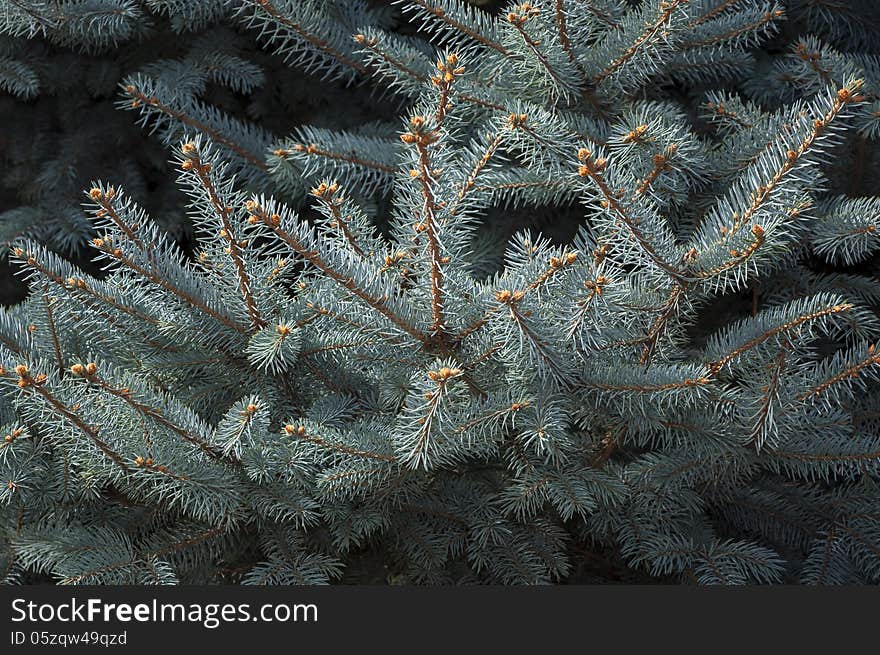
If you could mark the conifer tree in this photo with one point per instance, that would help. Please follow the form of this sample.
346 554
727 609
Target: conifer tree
355 358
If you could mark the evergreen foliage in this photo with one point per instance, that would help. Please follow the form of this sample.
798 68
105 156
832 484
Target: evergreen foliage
366 351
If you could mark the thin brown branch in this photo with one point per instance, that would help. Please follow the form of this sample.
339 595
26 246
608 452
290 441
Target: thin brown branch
302 433
564 39
314 149
650 388
769 393
184 118
164 283
345 281
223 212
592 168
440 14
429 222
766 18
313 39
718 364
155 414
58 407
712 13
843 97
652 29
659 325
846 374
180 545
53 332
518 20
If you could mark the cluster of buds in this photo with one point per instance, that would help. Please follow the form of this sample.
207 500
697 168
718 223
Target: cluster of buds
444 374
566 260
520 14
84 370
509 297
363 40
147 462
25 379
589 165
635 135
105 243
310 149
276 270
448 70
323 311
298 430
661 159
283 330
596 287
12 436
189 164
326 191
97 194
136 100
393 260
845 94
273 220
434 173
75 283
530 248
30 259
805 54
192 161
419 132
517 120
